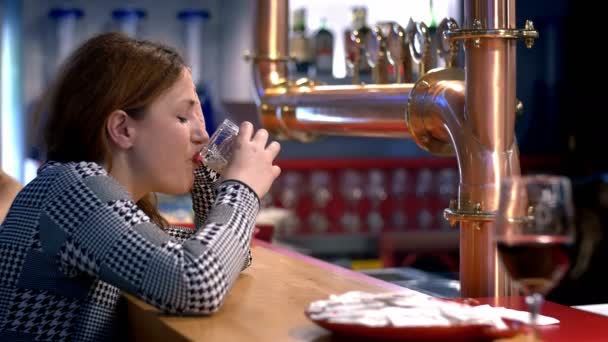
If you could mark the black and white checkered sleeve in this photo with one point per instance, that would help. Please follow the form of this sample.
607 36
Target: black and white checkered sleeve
99 231
180 234
203 193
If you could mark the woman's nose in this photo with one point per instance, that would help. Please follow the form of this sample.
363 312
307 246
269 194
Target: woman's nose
200 135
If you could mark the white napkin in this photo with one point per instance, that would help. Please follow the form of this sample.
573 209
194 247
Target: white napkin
516 315
411 308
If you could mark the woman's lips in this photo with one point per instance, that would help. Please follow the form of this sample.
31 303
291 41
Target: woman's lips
197 158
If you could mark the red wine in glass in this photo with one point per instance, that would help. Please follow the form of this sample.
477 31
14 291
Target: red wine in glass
534 229
535 262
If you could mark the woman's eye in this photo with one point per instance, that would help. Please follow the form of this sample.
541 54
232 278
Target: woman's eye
182 119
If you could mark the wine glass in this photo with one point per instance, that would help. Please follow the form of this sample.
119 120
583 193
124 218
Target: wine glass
351 188
400 187
320 182
376 192
424 190
289 196
534 229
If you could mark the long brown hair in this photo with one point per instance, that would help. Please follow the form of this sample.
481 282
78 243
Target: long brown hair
108 72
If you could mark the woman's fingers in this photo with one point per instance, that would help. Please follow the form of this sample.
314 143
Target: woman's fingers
276 171
261 136
252 162
274 148
246 131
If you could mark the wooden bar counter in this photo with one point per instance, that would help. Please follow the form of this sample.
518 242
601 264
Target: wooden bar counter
268 300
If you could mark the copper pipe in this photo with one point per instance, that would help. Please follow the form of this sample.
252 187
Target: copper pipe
304 110
366 110
493 14
272 55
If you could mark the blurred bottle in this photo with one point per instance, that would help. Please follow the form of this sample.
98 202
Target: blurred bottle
63 37
66 36
324 49
299 44
192 21
128 20
433 58
354 50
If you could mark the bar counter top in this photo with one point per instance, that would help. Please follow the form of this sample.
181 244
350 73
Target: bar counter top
268 300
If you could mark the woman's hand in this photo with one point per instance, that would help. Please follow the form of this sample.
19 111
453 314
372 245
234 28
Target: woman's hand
251 161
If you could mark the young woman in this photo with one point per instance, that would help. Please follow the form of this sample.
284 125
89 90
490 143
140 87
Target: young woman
124 122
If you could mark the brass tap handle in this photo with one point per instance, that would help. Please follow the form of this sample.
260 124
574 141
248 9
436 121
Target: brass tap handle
356 54
398 51
447 49
420 46
378 56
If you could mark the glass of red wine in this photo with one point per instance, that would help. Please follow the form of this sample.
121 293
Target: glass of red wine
534 230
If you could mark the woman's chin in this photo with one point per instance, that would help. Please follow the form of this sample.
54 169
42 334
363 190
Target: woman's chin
179 190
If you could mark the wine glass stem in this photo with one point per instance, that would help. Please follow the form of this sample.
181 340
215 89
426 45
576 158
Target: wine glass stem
535 302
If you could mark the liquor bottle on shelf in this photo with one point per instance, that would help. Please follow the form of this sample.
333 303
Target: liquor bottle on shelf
192 21
324 48
299 44
356 40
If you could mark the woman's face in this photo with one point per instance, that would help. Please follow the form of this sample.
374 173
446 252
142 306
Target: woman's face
170 134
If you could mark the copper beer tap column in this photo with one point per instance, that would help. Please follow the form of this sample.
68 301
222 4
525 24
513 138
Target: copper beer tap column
490 109
447 111
490 41
475 119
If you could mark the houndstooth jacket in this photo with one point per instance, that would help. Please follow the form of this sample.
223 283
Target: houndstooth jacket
73 239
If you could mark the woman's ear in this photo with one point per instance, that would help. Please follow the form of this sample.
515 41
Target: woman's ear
120 129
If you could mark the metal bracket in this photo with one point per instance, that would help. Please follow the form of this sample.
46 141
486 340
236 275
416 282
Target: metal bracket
528 34
467 213
249 56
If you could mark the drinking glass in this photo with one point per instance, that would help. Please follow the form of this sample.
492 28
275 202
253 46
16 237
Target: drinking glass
534 229
219 149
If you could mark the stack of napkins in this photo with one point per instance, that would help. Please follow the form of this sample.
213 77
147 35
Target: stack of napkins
409 309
